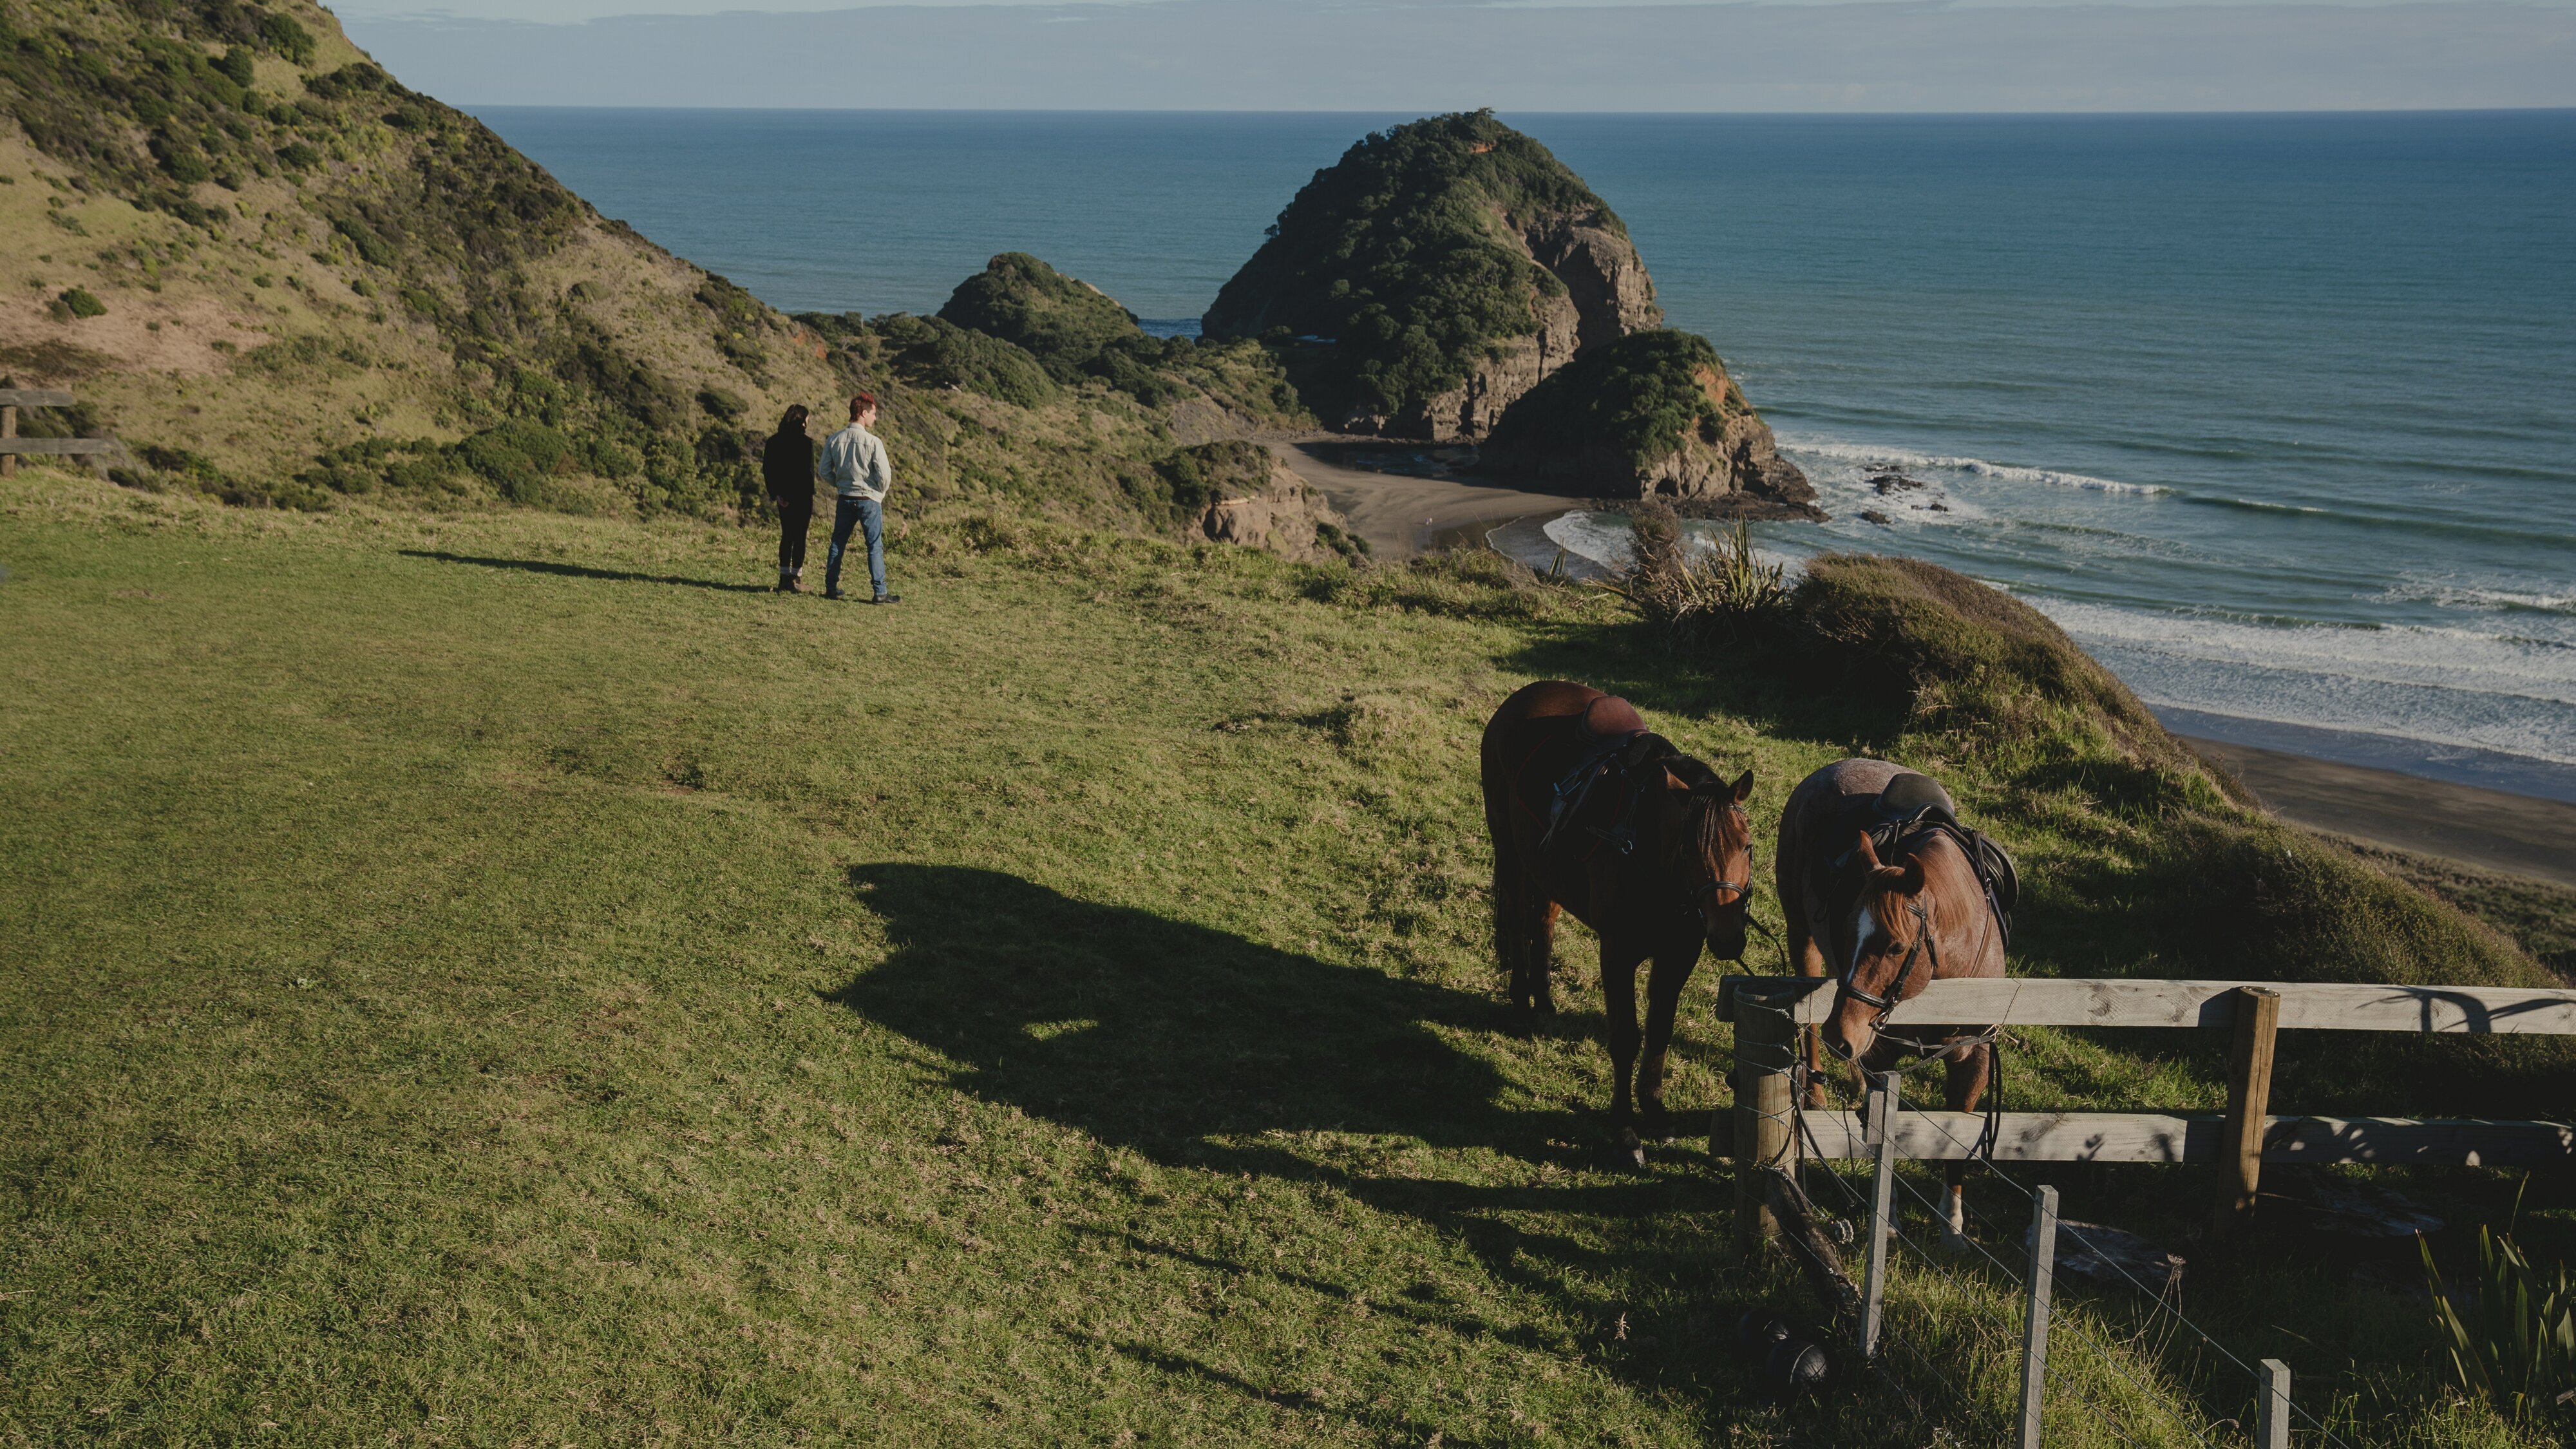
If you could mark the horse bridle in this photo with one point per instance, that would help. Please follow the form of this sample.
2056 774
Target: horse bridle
1887 1004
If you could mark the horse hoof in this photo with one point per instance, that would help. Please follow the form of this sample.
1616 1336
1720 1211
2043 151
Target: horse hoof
1954 1242
1632 1148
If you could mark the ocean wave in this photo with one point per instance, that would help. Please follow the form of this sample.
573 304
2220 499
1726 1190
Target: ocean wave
1978 467
2459 596
1604 540
2459 661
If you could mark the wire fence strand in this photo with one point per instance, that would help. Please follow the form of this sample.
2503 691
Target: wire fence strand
1800 1138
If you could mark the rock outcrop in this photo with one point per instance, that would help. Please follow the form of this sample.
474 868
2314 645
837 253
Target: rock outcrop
1285 515
1240 492
1645 415
1437 272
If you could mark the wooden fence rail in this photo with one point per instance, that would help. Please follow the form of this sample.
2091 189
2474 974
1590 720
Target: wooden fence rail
1765 1128
2198 1137
1770 1012
2014 1001
13 447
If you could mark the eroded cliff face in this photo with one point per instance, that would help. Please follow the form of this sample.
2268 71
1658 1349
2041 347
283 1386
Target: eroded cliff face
1602 273
1285 515
1606 295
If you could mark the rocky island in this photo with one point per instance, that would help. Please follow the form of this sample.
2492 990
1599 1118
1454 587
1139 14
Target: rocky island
1450 280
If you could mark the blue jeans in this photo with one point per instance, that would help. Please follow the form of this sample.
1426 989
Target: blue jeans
853 513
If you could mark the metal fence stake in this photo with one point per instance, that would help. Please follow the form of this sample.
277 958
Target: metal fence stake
2034 1336
1882 1126
2272 1416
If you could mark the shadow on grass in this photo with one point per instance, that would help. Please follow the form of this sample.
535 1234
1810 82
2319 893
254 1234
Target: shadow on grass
581 571
1187 1044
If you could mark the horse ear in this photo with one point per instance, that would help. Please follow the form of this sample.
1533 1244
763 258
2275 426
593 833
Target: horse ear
1744 787
1912 884
1865 852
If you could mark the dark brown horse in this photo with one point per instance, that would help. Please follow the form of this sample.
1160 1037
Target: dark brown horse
1884 889
1592 813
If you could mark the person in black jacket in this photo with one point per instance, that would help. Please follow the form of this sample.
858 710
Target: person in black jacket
787 465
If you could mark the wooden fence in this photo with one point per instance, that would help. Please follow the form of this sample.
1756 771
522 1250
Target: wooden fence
1765 1131
13 447
1769 1012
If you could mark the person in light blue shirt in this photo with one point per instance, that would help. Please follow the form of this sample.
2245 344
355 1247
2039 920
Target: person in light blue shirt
853 461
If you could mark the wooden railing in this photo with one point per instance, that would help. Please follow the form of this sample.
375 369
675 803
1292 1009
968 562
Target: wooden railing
1765 1130
13 447
1770 1012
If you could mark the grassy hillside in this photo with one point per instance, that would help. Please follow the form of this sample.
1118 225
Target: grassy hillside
305 283
502 978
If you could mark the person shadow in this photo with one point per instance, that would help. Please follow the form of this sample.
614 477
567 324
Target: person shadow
1197 1048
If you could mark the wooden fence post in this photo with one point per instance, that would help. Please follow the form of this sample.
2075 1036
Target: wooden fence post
8 429
2272 1416
2034 1333
1765 1035
1882 1122
2249 1103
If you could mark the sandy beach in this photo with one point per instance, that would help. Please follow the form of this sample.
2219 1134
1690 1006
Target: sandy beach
1402 514
2518 834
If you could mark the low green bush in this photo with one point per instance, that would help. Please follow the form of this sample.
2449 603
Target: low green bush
81 303
935 353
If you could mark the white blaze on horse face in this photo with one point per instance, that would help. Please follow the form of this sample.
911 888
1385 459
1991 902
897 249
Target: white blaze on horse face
1866 927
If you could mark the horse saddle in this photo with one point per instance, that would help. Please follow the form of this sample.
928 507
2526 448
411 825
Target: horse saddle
1912 805
1616 743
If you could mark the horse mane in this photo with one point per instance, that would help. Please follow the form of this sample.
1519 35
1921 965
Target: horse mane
1704 817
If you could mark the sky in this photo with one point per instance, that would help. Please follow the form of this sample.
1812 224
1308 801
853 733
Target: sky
1521 55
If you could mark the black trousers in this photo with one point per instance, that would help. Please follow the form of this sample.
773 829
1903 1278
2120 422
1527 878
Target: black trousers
795 515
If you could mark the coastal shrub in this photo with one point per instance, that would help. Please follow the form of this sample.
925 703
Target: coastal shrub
1133 365
287 36
355 78
81 303
1725 597
935 353
2511 1335
1061 322
520 459
1400 257
1193 478
236 65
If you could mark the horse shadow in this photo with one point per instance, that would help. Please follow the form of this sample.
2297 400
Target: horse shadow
1162 1035
1190 1046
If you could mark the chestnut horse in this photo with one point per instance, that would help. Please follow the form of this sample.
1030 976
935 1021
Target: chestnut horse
1881 885
1591 813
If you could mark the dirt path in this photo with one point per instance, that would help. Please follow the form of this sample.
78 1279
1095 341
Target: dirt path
2516 833
1400 514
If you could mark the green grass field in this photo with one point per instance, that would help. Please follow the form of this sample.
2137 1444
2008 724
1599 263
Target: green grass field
505 979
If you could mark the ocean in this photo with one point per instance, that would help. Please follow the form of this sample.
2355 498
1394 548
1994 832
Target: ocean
2276 415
